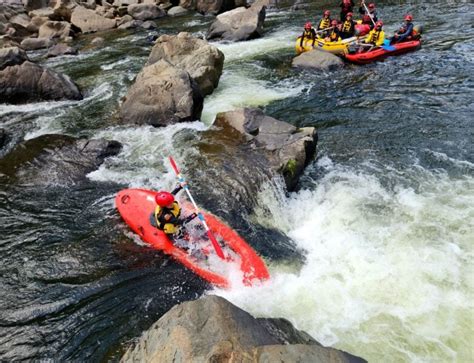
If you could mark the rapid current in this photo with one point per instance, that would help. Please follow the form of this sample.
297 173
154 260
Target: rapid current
384 215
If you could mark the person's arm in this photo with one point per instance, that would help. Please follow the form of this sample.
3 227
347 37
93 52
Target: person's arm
302 40
177 189
407 33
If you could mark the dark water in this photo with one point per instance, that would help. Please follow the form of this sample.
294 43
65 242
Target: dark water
75 286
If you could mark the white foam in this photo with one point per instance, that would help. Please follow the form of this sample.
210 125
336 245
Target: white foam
388 272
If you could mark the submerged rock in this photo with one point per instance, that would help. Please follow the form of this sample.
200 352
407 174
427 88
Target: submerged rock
238 24
162 94
203 61
56 159
61 49
211 329
317 59
30 82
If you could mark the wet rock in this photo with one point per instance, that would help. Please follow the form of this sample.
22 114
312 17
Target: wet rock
149 25
12 56
286 148
88 21
30 82
131 24
317 59
238 24
203 61
214 6
3 138
211 329
125 19
56 159
177 11
36 43
97 41
61 49
162 94
145 11
55 29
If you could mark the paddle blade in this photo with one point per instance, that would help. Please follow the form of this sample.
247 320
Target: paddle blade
388 47
215 244
174 166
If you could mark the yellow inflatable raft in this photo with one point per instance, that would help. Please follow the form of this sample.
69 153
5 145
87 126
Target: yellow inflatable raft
339 47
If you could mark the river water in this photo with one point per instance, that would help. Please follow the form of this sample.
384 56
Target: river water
384 215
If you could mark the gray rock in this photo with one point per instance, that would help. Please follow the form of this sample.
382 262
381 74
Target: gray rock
42 13
98 41
211 329
119 3
35 24
149 25
287 149
177 11
145 11
131 24
317 59
20 19
162 94
238 24
88 21
56 159
203 61
63 10
55 29
12 56
35 4
30 82
61 49
36 43
125 19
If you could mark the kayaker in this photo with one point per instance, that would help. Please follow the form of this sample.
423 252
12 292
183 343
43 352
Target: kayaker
324 23
346 7
167 213
308 33
376 36
334 34
348 27
372 14
405 32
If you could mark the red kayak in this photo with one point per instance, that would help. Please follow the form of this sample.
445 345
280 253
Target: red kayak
381 53
136 206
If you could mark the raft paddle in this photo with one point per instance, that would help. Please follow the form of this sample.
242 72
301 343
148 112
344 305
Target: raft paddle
368 12
211 236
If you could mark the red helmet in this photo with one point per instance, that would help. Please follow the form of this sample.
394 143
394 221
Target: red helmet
349 14
379 24
326 12
164 198
408 17
334 22
371 6
308 25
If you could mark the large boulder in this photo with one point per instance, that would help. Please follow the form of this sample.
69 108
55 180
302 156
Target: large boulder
145 11
56 159
238 24
88 21
317 59
36 43
212 329
203 61
55 29
30 82
287 148
162 94
177 11
12 56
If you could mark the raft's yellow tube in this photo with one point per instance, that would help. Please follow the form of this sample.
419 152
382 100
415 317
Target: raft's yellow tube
338 47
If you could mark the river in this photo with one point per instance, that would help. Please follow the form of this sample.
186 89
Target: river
384 214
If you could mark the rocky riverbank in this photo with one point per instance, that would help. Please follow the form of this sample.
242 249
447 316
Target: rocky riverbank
211 329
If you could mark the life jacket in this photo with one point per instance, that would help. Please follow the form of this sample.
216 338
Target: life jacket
324 23
308 34
348 26
375 36
334 36
170 226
